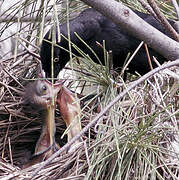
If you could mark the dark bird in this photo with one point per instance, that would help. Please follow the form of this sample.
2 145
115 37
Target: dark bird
93 27
41 96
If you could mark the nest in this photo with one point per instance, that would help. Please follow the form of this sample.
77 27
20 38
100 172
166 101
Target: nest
141 123
21 128
137 138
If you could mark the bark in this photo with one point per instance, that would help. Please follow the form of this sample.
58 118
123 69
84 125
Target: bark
128 20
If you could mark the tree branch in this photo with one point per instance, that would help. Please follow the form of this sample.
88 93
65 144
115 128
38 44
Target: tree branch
163 20
174 2
146 6
136 26
106 109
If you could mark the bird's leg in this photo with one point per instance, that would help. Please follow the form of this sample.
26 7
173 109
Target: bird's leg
70 111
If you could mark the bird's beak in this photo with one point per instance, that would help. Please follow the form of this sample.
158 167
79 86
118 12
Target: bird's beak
70 111
52 96
47 138
50 118
66 104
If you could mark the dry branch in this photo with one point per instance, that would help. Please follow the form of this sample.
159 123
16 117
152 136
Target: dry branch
98 117
128 20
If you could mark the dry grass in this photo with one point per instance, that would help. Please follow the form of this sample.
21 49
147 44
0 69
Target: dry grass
140 130
136 139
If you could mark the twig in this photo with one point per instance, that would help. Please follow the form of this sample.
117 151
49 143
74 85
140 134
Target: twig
17 62
23 19
6 136
10 150
130 22
36 56
110 59
80 71
30 52
174 2
86 153
148 56
12 57
148 8
14 78
98 117
10 87
26 41
163 20
130 59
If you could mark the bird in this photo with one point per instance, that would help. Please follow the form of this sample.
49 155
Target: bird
41 96
93 27
70 110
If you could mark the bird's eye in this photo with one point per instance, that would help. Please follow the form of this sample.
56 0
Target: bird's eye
42 89
56 60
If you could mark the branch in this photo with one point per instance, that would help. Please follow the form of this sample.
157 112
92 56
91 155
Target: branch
31 20
106 109
148 8
163 20
176 7
128 20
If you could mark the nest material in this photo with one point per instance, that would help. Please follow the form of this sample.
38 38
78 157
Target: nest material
138 137
20 129
148 115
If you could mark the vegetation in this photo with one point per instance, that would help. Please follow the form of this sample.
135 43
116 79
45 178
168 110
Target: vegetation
136 139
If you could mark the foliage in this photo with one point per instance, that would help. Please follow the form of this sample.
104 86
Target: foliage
136 139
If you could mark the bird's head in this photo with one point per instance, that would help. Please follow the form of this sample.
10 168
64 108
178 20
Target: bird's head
68 105
54 56
41 94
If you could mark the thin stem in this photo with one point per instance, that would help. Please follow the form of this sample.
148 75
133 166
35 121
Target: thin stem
98 117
